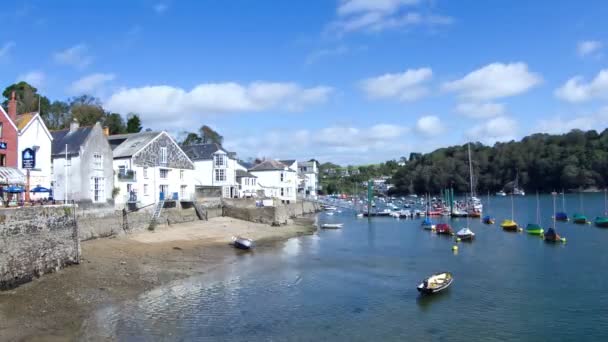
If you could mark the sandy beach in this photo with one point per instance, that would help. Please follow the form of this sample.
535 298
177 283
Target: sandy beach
113 270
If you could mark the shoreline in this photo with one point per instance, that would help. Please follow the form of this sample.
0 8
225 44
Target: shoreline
113 270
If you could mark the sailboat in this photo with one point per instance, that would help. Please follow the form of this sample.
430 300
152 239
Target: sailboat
465 234
535 228
509 225
602 221
488 219
580 218
473 205
562 216
428 223
551 235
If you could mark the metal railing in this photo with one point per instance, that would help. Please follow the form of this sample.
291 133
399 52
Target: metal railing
127 176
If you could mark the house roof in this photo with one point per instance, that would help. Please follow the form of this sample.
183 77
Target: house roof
269 165
243 173
202 151
23 119
73 139
126 145
288 162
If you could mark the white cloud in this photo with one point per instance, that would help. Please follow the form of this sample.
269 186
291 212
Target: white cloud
76 56
480 110
501 128
429 125
35 78
90 84
588 47
576 90
160 8
6 49
405 86
380 15
494 81
163 102
558 124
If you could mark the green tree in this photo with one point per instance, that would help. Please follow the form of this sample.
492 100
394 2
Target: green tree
58 115
87 110
28 99
115 123
191 139
133 123
208 135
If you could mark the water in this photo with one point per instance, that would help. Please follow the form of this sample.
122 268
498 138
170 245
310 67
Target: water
359 284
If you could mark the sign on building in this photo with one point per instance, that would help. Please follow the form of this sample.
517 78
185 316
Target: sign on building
28 159
3 145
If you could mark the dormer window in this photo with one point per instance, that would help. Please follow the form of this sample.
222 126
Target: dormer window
163 155
220 160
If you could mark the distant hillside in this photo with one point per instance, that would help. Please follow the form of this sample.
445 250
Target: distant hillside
543 162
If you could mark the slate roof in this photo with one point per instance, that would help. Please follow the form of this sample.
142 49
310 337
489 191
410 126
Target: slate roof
268 165
243 173
288 162
73 139
202 151
126 145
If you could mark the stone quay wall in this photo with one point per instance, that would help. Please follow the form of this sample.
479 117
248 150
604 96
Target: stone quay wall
281 214
35 241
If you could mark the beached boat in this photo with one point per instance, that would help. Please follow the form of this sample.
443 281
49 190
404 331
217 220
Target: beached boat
444 229
436 283
465 234
552 236
242 243
332 225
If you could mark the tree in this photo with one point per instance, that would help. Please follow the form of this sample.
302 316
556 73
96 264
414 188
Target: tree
208 135
87 110
133 123
115 123
191 139
58 115
28 99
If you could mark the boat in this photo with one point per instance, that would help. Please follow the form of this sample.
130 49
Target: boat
518 192
535 228
330 213
330 208
474 213
427 224
436 283
332 225
444 229
359 215
459 213
510 225
552 236
579 219
465 234
242 243
562 216
501 194
488 220
602 221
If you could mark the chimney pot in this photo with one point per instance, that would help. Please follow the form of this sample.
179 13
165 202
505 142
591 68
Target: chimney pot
74 125
12 107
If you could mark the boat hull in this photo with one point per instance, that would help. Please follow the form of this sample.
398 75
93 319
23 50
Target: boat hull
241 243
425 289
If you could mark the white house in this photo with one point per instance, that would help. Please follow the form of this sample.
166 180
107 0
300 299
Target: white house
248 184
82 165
308 173
214 166
291 164
276 179
35 142
149 167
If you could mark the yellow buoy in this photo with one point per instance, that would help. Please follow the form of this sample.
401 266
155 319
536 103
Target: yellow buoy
455 248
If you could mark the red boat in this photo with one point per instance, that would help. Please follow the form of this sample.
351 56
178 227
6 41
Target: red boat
435 213
444 229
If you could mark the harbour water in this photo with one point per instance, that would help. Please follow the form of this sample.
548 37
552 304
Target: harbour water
359 283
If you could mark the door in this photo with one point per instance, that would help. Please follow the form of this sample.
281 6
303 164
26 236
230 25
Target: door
164 192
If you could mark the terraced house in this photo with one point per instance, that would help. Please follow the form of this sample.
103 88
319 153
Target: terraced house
150 167
215 167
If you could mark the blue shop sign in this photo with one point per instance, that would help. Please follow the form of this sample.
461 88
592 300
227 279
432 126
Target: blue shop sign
28 159
3 146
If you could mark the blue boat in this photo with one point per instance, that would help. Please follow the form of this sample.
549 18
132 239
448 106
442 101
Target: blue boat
488 220
428 224
561 216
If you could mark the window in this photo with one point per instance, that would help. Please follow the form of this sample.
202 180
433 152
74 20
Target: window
145 189
145 172
97 161
282 192
219 160
253 180
181 174
1 130
164 173
288 192
98 189
220 175
163 155
2 159
182 191
282 176
246 181
122 170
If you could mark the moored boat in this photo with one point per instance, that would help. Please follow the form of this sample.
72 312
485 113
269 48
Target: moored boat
332 225
427 224
488 220
509 225
561 216
436 283
465 234
552 236
242 243
534 229
601 221
501 194
579 219
444 229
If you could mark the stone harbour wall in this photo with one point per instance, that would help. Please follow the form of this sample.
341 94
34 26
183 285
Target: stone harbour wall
35 241
278 215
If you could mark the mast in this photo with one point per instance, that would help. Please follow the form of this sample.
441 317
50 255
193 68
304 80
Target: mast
605 209
554 194
563 200
537 209
512 207
470 169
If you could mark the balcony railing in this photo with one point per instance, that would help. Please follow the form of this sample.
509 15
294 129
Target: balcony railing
127 176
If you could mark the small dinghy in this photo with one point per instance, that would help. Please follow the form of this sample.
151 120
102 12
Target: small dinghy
601 221
534 229
561 216
242 243
435 283
488 220
465 234
427 224
552 236
579 219
444 229
332 225
509 225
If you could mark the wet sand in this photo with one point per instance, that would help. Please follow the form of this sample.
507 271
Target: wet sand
54 307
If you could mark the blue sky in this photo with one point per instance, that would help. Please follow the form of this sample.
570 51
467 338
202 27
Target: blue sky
349 81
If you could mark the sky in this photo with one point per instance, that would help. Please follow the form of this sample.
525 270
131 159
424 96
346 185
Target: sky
347 81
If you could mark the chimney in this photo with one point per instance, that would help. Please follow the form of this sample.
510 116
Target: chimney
12 107
74 126
106 131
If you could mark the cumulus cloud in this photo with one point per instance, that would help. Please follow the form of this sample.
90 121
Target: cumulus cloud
380 15
480 110
35 78
576 90
164 102
90 84
6 48
559 124
588 47
429 125
496 80
76 56
500 128
405 86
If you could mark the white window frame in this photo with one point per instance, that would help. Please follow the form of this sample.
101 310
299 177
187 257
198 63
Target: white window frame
220 175
145 172
282 176
146 193
253 181
163 171
181 174
182 191
282 192
219 160
97 161
163 155
98 189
